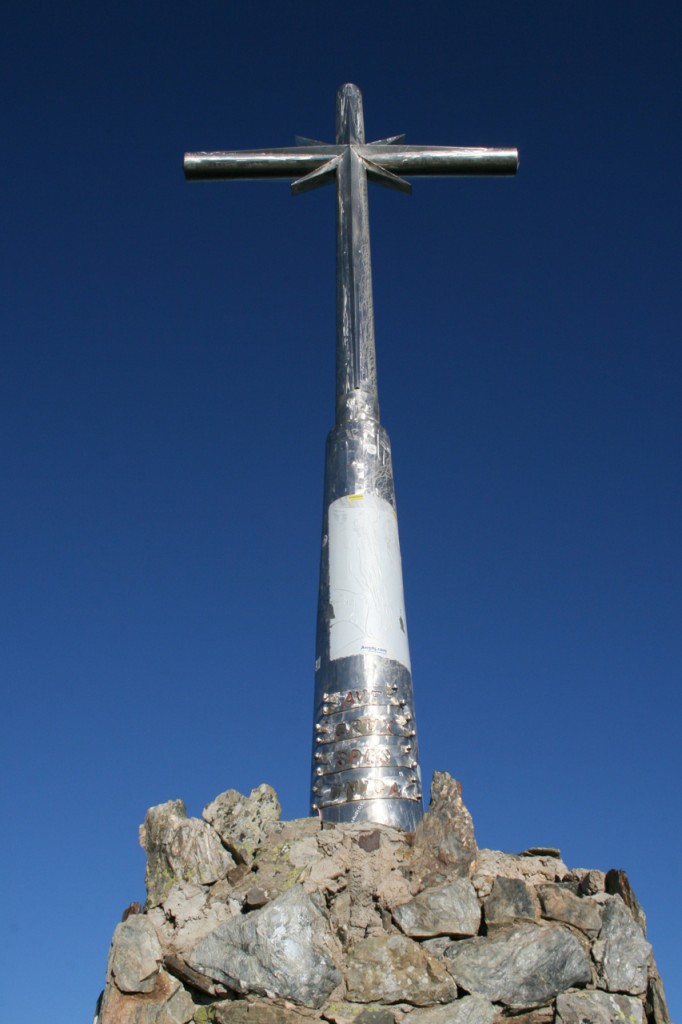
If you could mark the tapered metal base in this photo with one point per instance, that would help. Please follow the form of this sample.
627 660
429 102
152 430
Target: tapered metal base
365 745
365 756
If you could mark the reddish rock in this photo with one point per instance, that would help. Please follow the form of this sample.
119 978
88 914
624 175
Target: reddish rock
445 835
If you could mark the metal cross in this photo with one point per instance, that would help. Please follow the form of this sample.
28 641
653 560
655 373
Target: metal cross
351 161
365 764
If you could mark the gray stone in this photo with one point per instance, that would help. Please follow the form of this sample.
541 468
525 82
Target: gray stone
394 969
155 836
469 1010
521 966
621 952
275 872
135 955
436 947
356 1013
656 1005
570 884
166 1003
541 851
540 1015
195 853
255 898
617 883
179 849
178 1009
510 900
445 835
561 904
591 882
285 950
375 1015
243 822
176 966
534 870
451 909
190 913
598 1008
241 1012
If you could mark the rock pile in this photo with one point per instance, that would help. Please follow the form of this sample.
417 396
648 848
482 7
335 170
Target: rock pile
253 920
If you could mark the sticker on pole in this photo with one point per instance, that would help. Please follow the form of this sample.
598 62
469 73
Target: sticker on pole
366 580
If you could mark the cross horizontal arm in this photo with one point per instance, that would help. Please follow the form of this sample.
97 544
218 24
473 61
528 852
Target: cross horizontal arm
406 161
442 161
293 162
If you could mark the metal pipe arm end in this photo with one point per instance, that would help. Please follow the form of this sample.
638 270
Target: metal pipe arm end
190 165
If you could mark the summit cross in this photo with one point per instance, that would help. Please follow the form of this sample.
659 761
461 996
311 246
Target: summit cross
352 161
365 764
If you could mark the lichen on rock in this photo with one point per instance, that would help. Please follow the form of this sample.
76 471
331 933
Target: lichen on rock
179 849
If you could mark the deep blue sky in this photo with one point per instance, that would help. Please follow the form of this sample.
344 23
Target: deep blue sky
167 385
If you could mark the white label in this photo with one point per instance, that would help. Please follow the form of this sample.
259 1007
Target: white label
366 580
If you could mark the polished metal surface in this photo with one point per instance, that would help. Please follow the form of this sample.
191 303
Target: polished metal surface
365 764
296 162
366 758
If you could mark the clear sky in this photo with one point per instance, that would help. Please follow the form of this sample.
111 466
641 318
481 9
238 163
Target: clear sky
167 386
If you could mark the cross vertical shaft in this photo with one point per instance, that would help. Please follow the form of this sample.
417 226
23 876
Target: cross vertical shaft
365 761
356 384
